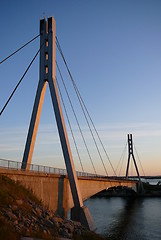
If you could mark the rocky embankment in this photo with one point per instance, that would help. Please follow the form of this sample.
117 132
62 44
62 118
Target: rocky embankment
30 219
22 215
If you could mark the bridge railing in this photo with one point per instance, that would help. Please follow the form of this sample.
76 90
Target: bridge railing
13 165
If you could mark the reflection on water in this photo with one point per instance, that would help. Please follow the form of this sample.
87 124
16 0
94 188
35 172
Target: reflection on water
126 218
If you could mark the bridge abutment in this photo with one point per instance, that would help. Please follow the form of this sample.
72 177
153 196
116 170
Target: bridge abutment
61 210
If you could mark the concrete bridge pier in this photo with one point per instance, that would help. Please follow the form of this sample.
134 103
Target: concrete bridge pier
60 209
140 188
79 214
82 214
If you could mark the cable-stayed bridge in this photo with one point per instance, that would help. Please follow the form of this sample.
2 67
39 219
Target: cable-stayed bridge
62 192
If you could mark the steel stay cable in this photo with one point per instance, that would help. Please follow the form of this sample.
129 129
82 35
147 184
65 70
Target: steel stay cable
19 83
83 104
95 128
121 165
76 117
139 161
121 161
19 49
122 156
70 125
85 115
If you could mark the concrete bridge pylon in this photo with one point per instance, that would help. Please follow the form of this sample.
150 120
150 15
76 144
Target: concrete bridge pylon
48 75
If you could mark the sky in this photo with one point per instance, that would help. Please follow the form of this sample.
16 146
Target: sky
113 49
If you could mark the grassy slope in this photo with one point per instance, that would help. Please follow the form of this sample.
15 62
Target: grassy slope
10 192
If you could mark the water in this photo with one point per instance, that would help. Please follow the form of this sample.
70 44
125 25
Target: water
127 219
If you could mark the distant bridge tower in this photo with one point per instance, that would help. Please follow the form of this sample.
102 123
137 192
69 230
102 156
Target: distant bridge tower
48 75
131 153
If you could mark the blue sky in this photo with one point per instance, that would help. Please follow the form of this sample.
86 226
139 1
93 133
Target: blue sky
113 49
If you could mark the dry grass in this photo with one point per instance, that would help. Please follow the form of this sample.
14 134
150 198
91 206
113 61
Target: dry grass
10 192
6 231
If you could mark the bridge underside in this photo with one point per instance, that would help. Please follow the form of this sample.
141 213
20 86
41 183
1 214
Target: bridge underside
54 190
